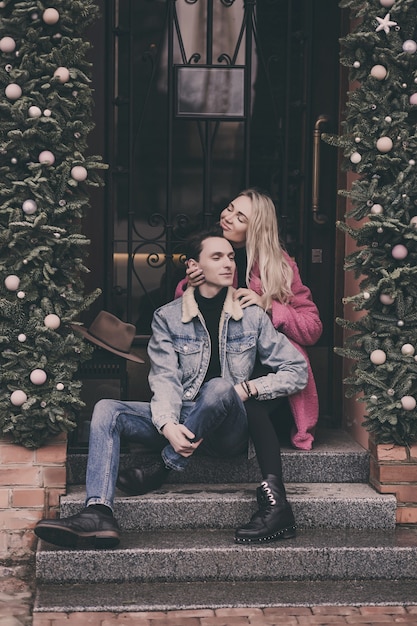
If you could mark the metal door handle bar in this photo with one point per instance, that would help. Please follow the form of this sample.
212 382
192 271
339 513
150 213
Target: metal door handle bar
318 218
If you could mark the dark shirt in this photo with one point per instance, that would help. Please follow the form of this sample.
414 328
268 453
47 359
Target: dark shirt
211 310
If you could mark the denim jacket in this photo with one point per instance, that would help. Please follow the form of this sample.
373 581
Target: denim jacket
179 351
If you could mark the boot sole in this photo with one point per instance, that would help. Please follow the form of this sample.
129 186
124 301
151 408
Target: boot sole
66 538
284 533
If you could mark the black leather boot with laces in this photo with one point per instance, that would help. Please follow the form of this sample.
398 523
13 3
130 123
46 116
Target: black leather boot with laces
274 520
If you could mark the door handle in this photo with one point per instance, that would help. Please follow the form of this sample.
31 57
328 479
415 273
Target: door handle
318 218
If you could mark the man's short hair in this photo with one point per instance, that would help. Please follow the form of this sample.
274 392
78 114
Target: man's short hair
194 243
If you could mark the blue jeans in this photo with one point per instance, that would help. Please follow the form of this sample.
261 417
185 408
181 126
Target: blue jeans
218 416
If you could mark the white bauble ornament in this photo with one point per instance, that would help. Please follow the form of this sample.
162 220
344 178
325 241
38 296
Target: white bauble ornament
384 144
7 44
21 338
387 3
379 72
60 386
34 111
13 160
47 113
413 98
21 294
374 399
52 321
50 16
12 282
385 298
407 349
18 397
79 173
400 323
408 403
409 46
377 209
2 4
29 207
355 157
46 157
388 119
356 64
411 162
413 221
38 377
399 252
63 74
378 357
13 91
366 295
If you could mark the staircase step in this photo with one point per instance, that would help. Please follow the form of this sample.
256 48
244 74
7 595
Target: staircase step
133 597
336 457
324 505
211 555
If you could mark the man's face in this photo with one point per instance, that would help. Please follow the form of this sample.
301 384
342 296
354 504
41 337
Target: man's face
217 260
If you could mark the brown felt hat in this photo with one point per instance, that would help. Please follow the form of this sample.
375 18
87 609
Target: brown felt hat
110 333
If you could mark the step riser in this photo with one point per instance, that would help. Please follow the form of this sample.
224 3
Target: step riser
240 564
298 467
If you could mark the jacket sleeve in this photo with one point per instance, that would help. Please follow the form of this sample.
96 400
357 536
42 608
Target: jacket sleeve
289 368
299 320
164 375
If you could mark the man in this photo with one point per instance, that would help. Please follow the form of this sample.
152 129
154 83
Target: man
202 353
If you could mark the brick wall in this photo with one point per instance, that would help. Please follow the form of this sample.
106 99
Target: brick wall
31 483
394 470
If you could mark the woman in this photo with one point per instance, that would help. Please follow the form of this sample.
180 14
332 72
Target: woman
267 276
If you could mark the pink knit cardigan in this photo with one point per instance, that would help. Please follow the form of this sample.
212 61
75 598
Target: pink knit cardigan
298 320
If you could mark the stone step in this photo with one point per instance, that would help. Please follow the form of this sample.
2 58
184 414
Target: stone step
336 457
315 505
211 556
130 597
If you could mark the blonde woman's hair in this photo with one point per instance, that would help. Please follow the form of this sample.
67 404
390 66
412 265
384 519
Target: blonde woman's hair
264 248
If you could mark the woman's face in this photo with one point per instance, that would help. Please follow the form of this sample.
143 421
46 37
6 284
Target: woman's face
234 220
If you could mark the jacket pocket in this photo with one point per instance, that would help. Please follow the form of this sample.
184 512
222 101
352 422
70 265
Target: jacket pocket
189 354
240 355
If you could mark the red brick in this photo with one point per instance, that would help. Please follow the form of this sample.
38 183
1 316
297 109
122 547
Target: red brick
51 454
54 476
4 498
28 497
404 493
15 455
382 610
390 452
19 519
407 515
398 473
20 476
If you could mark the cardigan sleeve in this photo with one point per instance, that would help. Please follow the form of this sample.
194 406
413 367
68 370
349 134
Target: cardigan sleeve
299 320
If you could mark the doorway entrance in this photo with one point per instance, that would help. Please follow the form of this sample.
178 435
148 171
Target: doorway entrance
205 98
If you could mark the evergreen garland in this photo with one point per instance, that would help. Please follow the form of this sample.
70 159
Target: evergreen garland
379 142
46 115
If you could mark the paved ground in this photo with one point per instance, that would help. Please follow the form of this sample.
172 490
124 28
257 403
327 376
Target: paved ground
17 590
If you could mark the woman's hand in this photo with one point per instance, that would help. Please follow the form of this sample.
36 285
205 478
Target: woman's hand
195 277
247 297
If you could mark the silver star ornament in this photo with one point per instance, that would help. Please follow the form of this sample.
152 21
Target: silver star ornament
385 24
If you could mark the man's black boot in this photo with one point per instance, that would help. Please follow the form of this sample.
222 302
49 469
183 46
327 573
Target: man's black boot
90 527
138 481
274 519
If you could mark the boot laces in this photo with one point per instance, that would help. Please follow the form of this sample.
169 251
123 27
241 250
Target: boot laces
268 492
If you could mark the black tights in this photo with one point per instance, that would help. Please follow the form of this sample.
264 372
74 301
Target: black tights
263 431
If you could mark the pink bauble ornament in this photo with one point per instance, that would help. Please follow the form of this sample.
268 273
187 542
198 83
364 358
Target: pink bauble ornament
384 144
413 98
52 321
378 357
7 44
377 209
38 377
47 113
379 72
387 3
18 397
12 282
413 221
46 157
409 46
407 349
399 252
21 338
355 157
21 295
385 298
13 91
408 403
29 207
79 173
50 16
63 74
60 386
34 111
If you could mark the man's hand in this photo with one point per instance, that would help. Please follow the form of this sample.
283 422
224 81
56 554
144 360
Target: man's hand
179 437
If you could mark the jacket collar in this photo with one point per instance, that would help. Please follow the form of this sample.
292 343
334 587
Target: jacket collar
190 307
